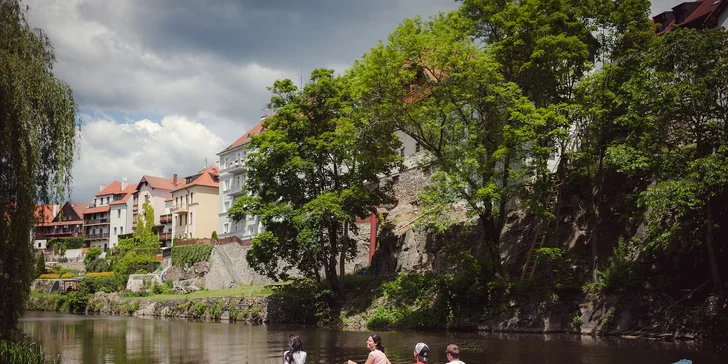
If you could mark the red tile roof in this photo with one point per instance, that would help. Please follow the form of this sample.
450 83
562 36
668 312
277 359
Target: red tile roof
97 209
127 193
61 223
169 198
78 208
46 213
158 182
705 9
112 189
246 137
204 179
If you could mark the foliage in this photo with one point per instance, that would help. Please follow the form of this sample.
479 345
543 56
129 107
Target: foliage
314 170
577 321
92 254
144 241
20 350
448 93
306 302
40 265
189 255
98 265
622 272
99 274
133 263
214 235
60 245
49 276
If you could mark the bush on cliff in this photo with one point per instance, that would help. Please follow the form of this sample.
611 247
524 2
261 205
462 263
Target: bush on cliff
305 301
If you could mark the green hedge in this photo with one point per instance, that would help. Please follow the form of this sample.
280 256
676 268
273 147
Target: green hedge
68 243
187 255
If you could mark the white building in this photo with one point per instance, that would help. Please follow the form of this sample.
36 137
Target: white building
155 190
97 219
232 178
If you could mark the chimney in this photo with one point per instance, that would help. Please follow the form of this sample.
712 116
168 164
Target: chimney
174 179
101 188
123 183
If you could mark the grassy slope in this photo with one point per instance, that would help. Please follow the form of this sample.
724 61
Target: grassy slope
238 291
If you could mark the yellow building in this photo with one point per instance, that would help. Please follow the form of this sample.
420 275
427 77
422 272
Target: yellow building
194 205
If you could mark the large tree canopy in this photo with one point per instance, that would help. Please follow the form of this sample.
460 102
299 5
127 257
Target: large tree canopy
38 128
314 169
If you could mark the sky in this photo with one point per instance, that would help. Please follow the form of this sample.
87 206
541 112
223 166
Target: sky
164 85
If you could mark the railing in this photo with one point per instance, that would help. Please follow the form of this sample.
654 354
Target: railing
179 208
58 234
165 219
97 236
96 222
165 236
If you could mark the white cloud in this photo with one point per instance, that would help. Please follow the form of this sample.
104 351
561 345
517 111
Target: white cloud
111 151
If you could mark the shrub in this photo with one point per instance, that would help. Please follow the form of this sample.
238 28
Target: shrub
107 282
91 255
50 276
622 271
99 274
187 255
67 275
132 263
214 235
22 351
98 265
60 245
306 302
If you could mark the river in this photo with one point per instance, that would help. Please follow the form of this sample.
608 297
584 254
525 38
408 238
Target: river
122 339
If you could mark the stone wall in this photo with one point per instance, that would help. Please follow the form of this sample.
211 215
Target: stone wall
220 278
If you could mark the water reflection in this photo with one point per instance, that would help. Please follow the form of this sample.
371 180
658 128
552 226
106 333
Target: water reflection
113 339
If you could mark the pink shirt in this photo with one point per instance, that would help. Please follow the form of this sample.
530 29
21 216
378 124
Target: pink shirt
378 357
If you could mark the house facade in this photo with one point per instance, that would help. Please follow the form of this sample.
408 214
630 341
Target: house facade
154 190
194 205
67 223
120 213
232 178
97 219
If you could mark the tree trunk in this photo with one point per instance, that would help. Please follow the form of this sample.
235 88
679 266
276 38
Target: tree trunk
331 275
342 254
492 241
715 274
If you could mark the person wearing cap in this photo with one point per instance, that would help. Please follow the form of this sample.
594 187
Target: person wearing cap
453 354
422 351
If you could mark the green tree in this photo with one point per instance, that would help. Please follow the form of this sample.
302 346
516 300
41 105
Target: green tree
447 92
679 117
40 265
91 255
37 143
214 235
310 174
138 251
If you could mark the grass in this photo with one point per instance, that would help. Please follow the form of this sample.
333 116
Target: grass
237 291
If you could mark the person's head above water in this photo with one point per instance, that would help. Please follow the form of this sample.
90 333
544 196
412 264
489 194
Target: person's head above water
294 345
453 352
422 352
375 342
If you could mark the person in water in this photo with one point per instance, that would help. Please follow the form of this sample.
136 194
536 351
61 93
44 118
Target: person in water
376 351
295 353
453 354
422 351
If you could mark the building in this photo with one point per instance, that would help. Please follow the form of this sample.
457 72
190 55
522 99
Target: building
97 218
45 213
66 222
121 215
232 178
154 190
701 14
194 205
165 220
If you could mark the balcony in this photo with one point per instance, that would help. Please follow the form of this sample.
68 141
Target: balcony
57 234
165 236
96 222
97 236
236 191
179 209
233 166
165 219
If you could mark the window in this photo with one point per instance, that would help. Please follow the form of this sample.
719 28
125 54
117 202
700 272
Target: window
225 228
121 230
187 199
190 218
93 231
250 230
39 245
114 230
118 213
417 148
227 205
105 247
192 197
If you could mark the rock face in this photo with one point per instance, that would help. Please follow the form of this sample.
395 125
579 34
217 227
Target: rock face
142 282
219 277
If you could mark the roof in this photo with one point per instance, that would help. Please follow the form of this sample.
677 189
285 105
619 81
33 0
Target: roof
158 182
169 198
127 191
705 9
78 207
112 189
257 129
204 179
46 213
61 223
94 210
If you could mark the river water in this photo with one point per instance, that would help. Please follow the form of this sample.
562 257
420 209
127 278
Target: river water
122 339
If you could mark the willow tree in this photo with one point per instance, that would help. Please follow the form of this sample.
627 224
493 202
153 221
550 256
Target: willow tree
37 142
311 173
448 93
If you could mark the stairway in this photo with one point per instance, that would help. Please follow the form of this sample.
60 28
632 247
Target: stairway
539 240
228 263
